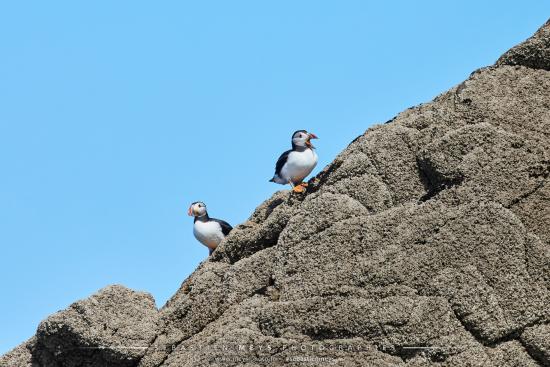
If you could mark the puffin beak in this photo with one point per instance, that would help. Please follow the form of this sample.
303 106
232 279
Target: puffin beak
190 211
309 137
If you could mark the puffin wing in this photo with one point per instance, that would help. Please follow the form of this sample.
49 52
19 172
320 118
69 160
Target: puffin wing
226 227
281 162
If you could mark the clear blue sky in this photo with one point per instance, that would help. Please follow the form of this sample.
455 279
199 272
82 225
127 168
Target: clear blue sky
115 115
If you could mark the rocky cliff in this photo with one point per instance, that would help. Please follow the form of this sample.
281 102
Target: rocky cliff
425 242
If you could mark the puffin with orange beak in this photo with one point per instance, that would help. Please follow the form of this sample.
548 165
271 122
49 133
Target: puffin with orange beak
208 231
294 165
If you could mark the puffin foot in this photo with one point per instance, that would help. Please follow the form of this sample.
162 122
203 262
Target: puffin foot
299 188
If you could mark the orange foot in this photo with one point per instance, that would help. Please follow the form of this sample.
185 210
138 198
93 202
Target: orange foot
300 187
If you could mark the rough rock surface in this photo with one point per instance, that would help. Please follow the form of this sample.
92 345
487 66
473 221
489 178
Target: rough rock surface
425 242
113 327
534 53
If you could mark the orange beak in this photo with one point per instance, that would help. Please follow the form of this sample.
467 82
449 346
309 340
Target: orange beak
308 142
190 211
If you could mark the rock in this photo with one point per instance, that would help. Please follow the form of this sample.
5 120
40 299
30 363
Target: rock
425 242
533 53
113 327
536 340
20 356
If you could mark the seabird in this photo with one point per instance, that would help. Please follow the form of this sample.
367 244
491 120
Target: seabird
295 164
208 231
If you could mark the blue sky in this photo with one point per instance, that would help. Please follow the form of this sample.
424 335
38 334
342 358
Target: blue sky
115 115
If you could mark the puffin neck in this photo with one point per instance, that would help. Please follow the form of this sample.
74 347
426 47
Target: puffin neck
299 148
202 218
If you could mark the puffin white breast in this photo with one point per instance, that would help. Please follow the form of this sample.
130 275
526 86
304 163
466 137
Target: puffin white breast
299 165
208 233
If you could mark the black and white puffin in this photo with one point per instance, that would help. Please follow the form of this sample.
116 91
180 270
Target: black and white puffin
208 231
295 164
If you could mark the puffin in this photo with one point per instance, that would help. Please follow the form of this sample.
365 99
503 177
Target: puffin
295 164
208 231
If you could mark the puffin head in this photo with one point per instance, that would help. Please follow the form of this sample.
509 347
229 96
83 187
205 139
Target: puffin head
302 138
197 209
